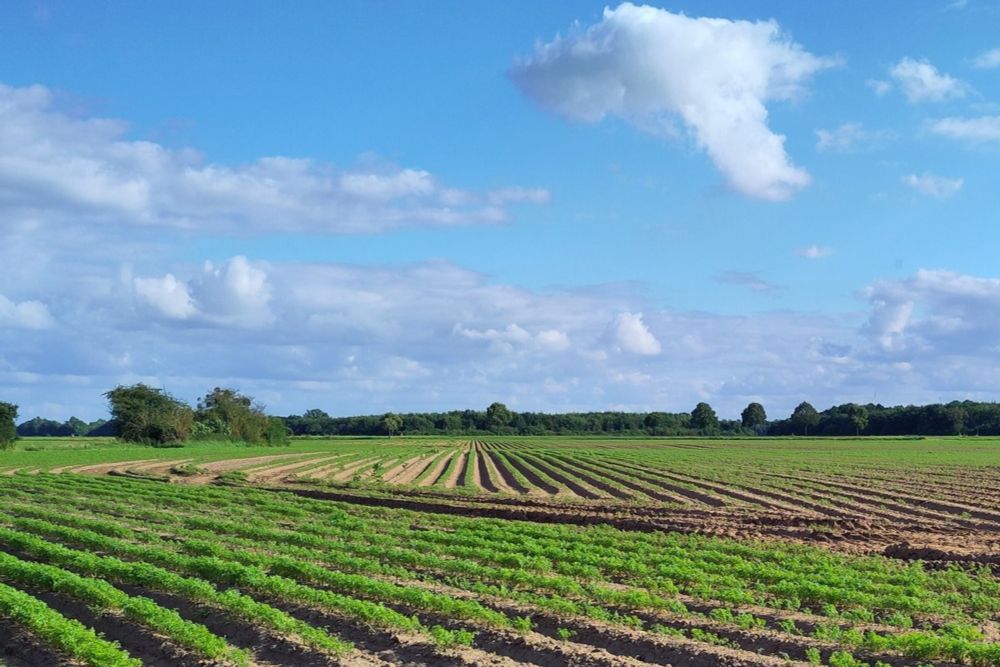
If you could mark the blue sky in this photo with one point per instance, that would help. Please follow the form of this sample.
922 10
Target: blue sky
431 205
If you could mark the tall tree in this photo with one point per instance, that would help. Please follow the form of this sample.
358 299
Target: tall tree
391 423
804 416
753 415
498 416
704 419
858 416
8 428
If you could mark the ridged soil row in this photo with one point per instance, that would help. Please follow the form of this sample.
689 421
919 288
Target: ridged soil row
915 506
939 498
558 462
655 477
724 490
513 475
404 466
791 502
575 485
629 481
268 473
864 509
499 476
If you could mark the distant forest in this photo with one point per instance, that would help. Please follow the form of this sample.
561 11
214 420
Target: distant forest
851 419
955 418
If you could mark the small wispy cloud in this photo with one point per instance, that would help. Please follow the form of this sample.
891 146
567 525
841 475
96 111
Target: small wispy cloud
880 87
987 59
974 130
848 137
750 280
931 185
814 251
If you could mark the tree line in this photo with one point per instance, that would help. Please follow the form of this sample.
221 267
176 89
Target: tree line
849 419
149 415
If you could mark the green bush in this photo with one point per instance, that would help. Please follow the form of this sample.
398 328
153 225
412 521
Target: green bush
149 415
8 429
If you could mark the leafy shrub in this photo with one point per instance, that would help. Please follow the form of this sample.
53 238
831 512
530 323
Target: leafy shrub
149 415
8 430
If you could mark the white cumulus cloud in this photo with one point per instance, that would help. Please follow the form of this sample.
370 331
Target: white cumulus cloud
632 335
235 293
648 65
931 185
24 314
167 294
921 81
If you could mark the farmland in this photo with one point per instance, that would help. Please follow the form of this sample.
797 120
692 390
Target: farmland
502 551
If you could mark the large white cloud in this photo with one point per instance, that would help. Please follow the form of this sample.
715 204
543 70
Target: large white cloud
648 65
235 293
632 335
58 167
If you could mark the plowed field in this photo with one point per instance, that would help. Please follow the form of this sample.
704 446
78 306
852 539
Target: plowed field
503 552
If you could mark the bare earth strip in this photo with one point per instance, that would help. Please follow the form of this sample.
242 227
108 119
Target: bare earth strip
323 472
455 474
347 472
102 468
236 464
501 478
404 466
408 475
437 471
270 474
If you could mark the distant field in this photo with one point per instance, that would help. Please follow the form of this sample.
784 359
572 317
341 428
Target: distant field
503 551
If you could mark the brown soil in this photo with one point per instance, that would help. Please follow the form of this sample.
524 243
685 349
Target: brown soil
277 472
402 467
19 648
104 468
501 477
571 481
347 472
531 476
268 647
137 641
413 471
237 464
591 480
323 472
159 467
455 475
437 471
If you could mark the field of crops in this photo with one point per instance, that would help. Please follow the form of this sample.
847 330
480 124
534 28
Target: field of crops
173 574
501 552
930 499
